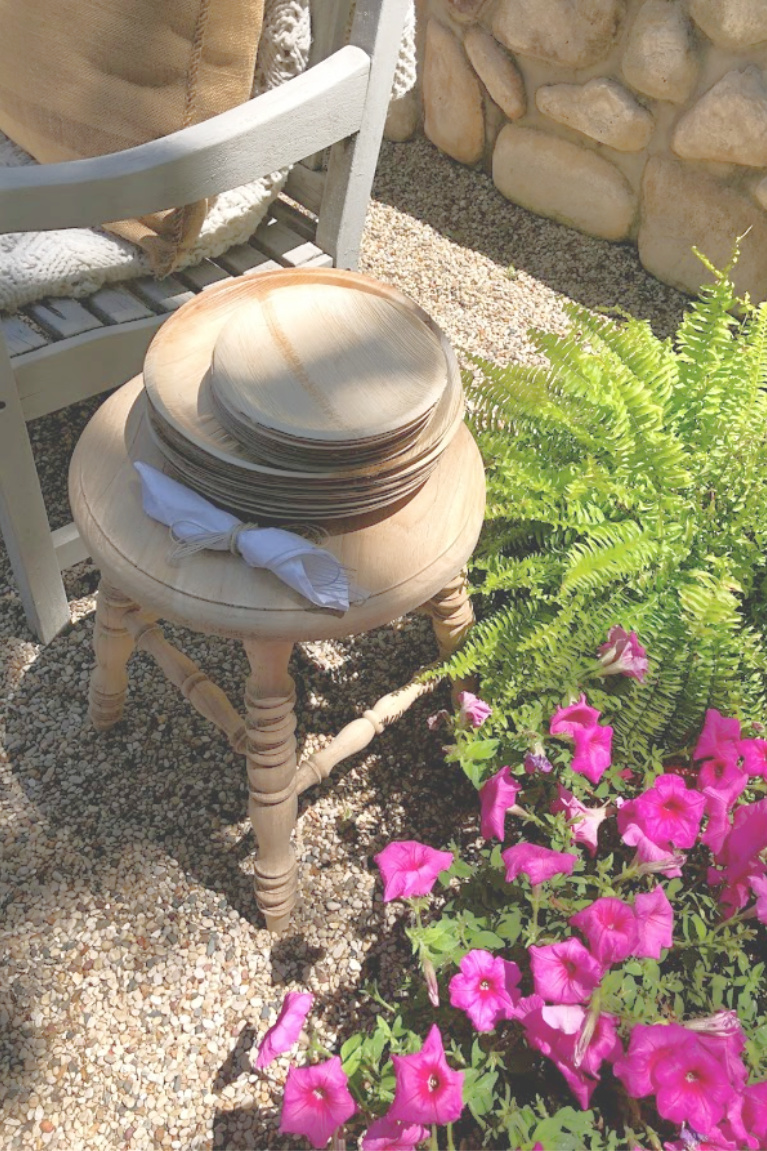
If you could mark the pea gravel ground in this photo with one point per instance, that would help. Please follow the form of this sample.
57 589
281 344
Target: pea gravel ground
135 972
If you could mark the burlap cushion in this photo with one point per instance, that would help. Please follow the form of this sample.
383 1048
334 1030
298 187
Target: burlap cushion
84 77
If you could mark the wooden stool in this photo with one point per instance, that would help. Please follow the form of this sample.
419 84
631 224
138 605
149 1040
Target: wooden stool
409 557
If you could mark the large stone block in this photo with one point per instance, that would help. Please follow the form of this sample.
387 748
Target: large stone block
682 207
497 71
402 117
728 123
731 23
575 33
452 97
565 181
659 59
601 109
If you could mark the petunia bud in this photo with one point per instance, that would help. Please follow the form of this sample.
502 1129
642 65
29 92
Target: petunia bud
430 976
623 654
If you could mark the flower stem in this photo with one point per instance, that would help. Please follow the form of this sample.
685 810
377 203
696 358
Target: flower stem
433 1144
450 1143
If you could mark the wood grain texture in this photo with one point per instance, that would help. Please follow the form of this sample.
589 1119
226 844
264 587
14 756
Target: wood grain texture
401 561
63 318
112 646
271 763
203 694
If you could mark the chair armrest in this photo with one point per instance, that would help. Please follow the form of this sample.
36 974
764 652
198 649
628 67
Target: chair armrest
306 114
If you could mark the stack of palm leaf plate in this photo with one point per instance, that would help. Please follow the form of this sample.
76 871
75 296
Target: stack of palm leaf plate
314 394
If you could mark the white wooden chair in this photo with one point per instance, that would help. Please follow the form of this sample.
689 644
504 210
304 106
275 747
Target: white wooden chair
59 351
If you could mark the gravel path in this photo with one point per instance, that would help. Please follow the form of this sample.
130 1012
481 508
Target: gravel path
135 974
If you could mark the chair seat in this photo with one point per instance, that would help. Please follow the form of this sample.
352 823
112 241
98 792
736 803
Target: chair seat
400 558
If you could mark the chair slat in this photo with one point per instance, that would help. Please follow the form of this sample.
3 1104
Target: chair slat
162 295
21 335
202 275
117 306
242 259
285 245
63 318
292 217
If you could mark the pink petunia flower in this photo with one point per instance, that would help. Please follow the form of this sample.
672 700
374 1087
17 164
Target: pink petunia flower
557 1033
539 863
758 884
724 777
754 753
410 868
739 854
593 751
584 821
719 739
655 923
623 654
474 711
316 1101
719 823
689 1085
390 1135
669 812
648 1046
564 972
285 1032
427 1090
496 796
486 988
651 859
575 717
755 1109
610 928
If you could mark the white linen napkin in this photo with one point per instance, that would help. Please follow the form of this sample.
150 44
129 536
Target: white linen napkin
309 570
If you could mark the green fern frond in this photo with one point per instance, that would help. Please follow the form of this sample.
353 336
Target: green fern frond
627 484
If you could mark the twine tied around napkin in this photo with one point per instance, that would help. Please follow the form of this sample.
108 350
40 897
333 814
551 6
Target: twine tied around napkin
196 524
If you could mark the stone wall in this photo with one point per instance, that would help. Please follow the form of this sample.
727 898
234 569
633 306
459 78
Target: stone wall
640 120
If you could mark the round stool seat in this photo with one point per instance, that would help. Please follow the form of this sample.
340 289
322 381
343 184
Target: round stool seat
400 557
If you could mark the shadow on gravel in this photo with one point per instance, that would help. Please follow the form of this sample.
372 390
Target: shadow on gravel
463 205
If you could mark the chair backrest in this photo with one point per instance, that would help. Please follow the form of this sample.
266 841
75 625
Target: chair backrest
344 95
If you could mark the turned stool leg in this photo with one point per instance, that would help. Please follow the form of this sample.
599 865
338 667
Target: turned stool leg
271 758
112 645
451 614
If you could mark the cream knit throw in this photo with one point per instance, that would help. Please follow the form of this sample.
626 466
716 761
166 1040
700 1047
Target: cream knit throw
76 262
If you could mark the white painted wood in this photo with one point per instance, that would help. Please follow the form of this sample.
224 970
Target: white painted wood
24 520
274 130
352 162
117 306
330 27
242 259
58 375
301 223
283 244
21 335
202 275
69 546
164 295
306 187
63 318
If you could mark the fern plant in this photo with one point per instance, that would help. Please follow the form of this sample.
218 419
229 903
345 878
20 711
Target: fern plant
627 484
